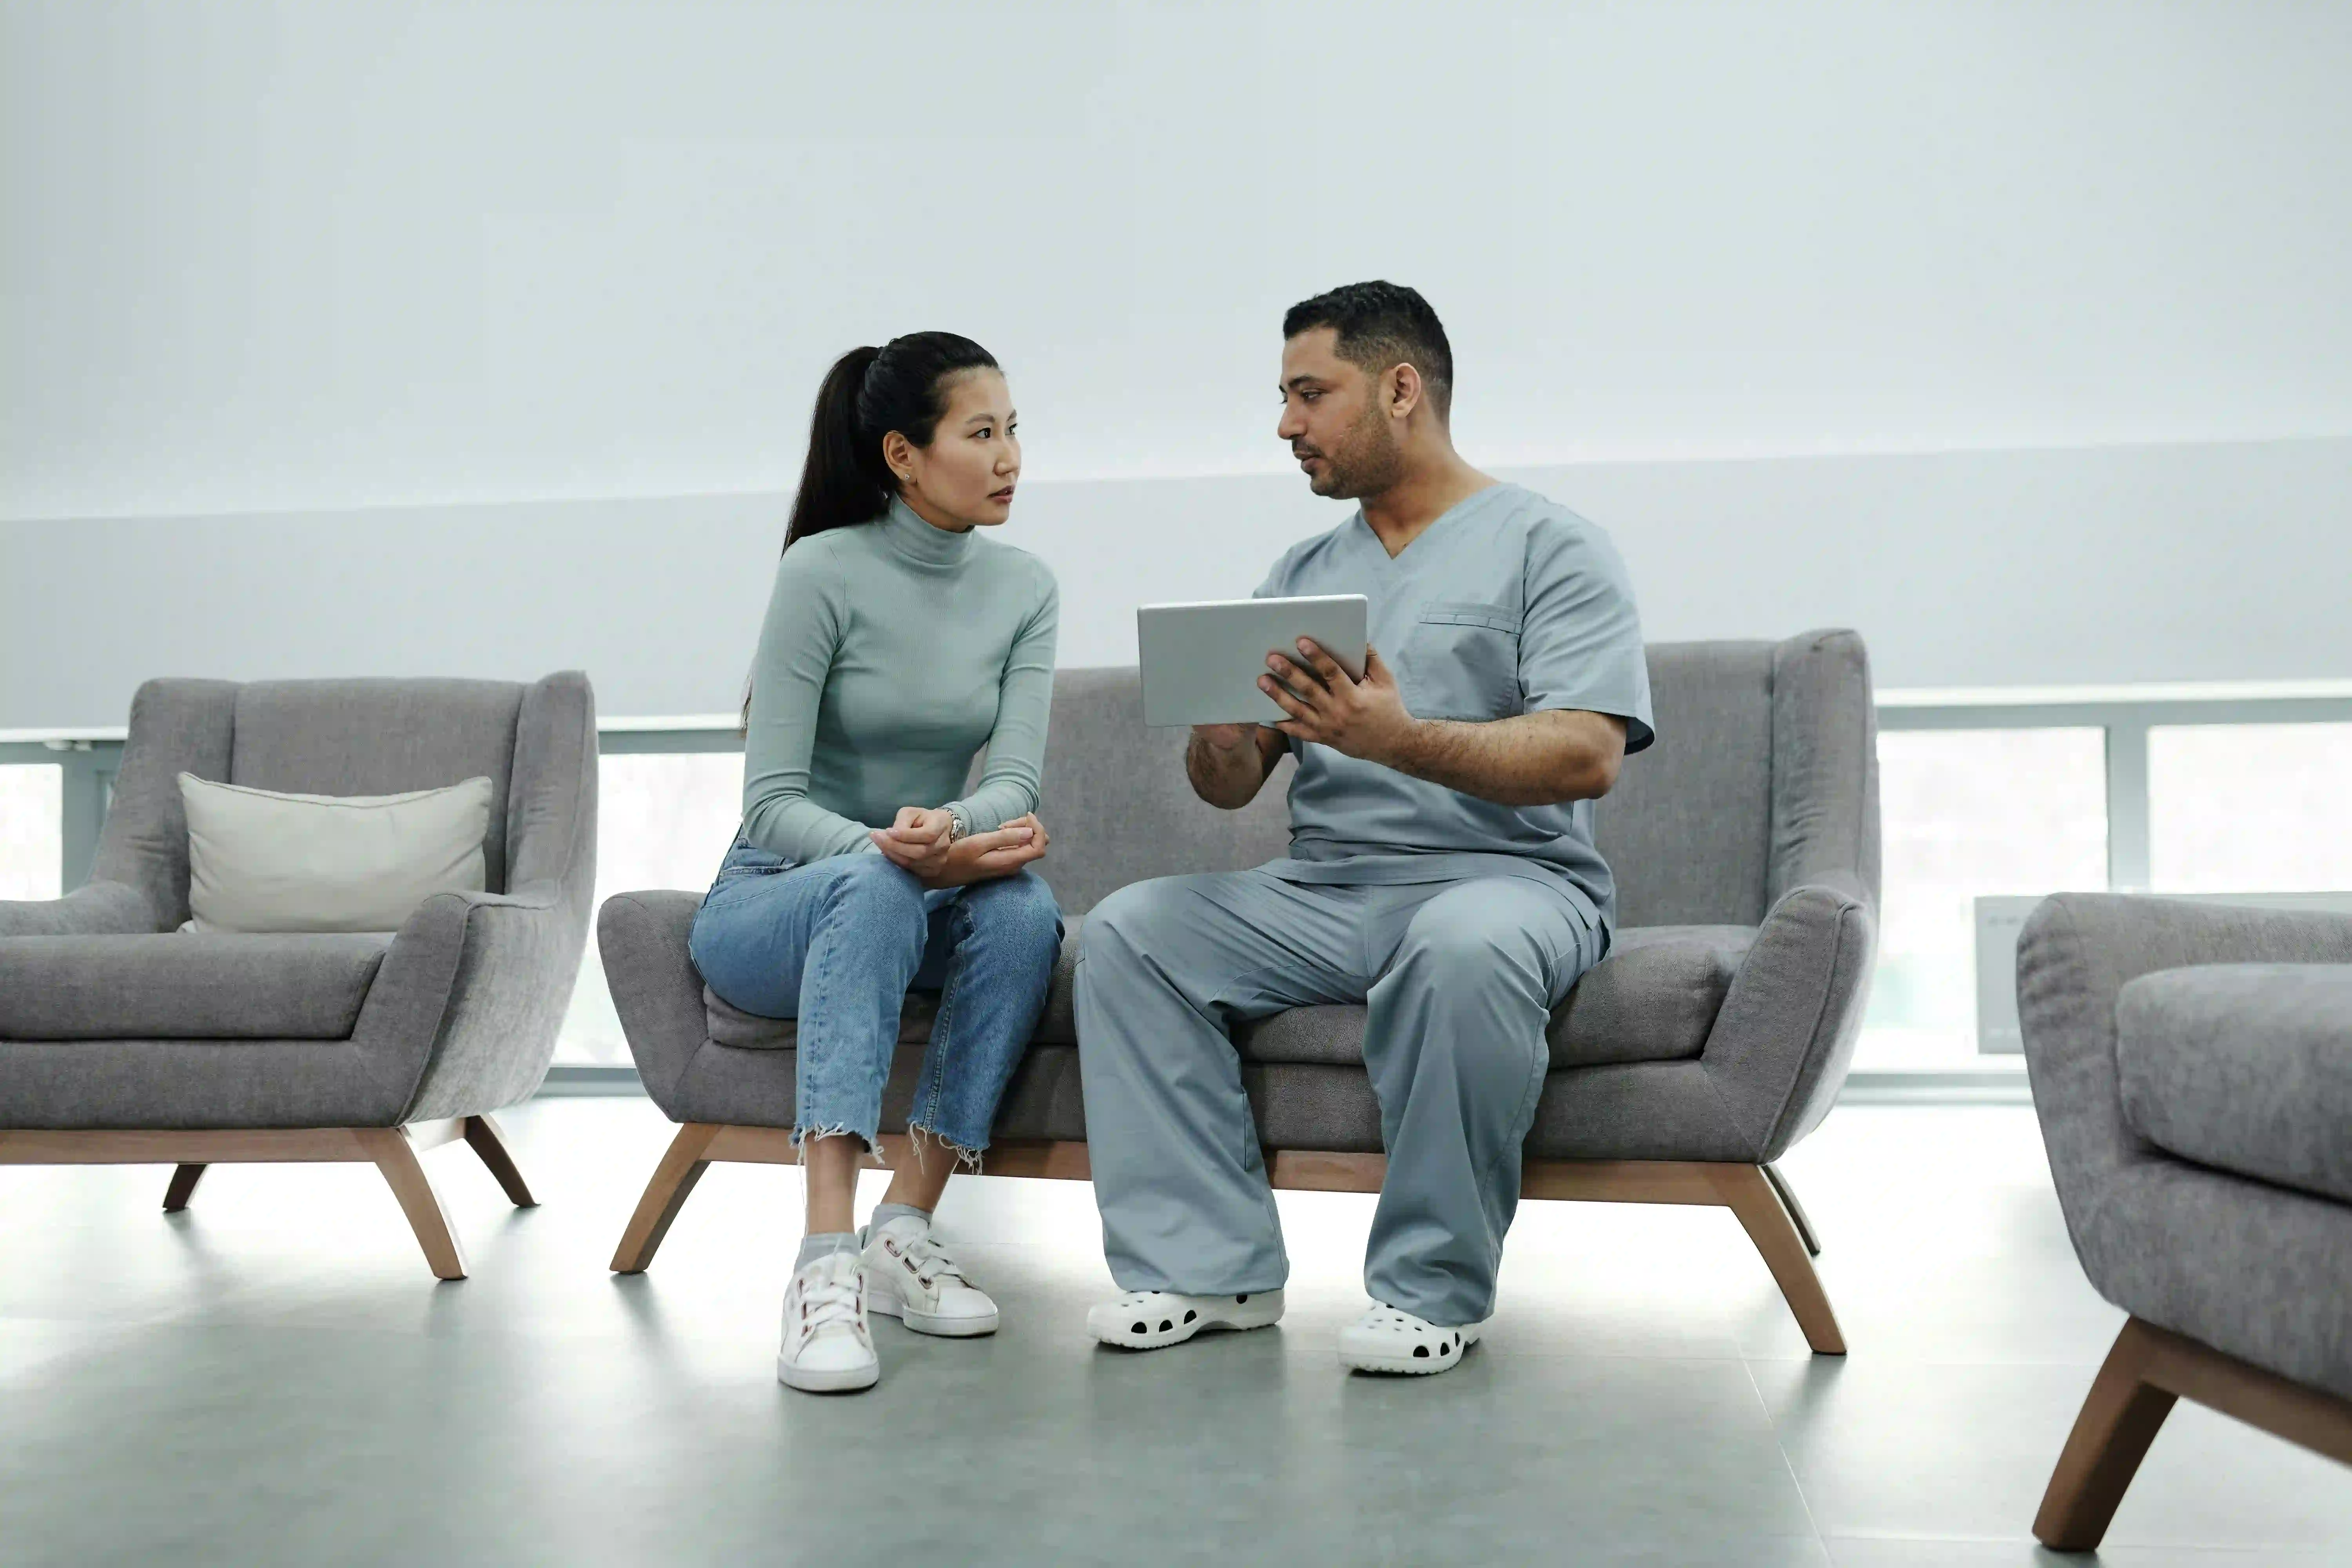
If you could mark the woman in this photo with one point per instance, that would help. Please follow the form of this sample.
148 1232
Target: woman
898 644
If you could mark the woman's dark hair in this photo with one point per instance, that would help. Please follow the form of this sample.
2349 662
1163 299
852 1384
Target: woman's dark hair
868 393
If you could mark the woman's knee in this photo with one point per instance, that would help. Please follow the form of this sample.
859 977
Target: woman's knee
874 880
1019 912
882 899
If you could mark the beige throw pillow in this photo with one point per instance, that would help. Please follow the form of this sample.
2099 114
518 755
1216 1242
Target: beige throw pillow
261 862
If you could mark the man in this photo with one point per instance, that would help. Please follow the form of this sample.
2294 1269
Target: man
1443 868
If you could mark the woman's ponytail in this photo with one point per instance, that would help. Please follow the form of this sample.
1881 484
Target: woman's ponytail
868 393
843 480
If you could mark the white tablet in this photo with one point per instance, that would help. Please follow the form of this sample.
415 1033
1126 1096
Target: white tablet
1200 662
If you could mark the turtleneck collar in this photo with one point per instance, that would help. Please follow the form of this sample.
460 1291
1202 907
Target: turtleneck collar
934 549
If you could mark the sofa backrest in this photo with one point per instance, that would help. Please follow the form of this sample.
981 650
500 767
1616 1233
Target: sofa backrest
379 737
536 744
1117 803
1688 830
1763 777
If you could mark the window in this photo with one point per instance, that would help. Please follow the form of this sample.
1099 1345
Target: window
32 801
2250 808
1965 813
662 820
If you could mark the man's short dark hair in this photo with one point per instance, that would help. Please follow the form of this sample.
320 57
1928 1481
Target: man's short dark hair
1380 324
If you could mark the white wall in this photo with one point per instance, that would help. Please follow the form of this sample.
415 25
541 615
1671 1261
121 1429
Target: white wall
386 289
661 599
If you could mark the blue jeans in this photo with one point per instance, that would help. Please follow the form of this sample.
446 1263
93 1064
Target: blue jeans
837 944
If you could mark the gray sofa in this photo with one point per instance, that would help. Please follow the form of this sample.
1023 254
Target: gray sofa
123 1040
1713 1037
2192 1069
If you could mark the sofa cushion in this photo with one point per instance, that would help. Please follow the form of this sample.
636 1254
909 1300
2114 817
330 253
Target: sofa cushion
186 985
730 1026
2243 1066
1652 999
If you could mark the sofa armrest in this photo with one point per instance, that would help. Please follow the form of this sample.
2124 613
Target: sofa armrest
2074 958
465 1011
657 990
95 909
1785 1035
1824 769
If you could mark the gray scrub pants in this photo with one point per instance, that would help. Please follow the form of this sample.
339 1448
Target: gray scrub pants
1459 978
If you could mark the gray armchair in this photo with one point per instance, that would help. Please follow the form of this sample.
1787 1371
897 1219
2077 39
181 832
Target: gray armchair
2192 1069
1714 1035
123 1040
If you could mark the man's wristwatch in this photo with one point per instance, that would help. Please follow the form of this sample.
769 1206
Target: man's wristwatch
957 825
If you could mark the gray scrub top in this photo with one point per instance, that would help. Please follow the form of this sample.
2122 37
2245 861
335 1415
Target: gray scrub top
1508 603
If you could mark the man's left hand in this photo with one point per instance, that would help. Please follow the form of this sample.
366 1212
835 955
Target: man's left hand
1364 719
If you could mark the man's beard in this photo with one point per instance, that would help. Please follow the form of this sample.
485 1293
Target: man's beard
1364 463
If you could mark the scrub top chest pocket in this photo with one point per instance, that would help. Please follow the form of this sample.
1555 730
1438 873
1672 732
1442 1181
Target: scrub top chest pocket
1461 660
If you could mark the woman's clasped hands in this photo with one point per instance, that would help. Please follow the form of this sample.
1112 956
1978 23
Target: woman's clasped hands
919 841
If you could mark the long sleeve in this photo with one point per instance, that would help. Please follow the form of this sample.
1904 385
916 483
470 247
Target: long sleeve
1016 746
808 613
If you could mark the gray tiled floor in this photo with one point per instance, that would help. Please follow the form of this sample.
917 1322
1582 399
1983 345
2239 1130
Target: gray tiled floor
274 1378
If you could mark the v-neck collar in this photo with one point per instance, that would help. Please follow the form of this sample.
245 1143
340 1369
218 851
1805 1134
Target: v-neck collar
1380 551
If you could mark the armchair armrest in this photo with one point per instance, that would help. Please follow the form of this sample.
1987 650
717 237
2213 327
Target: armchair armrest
2074 958
465 1011
1780 1045
95 909
656 988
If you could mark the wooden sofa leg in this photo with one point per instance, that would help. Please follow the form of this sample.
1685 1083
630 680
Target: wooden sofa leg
673 1182
184 1187
490 1144
1788 1195
2120 1418
395 1156
1749 1194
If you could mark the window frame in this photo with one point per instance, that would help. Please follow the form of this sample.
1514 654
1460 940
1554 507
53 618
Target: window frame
2127 720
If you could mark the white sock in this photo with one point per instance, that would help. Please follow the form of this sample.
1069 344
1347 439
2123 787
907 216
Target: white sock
820 1244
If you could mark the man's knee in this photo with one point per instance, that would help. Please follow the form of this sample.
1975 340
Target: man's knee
1473 952
1130 919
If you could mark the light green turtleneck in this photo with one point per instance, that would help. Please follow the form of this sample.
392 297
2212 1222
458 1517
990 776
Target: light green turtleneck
893 651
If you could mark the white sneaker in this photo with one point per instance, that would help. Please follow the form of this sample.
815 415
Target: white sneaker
828 1348
1153 1319
910 1276
1385 1340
